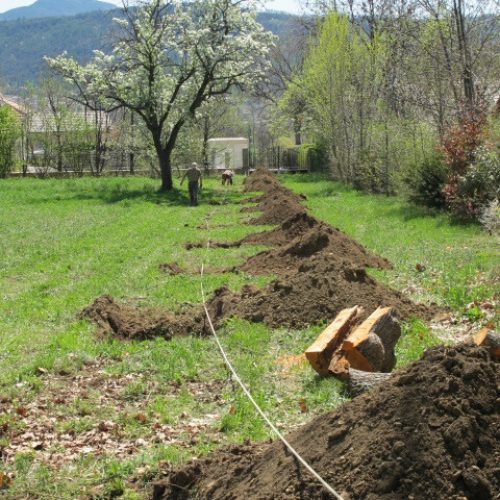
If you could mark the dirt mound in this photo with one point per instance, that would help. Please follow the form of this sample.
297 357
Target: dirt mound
173 269
431 431
129 322
321 271
276 208
261 181
321 239
314 292
296 225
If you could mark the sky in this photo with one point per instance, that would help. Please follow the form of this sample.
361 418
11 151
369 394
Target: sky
285 5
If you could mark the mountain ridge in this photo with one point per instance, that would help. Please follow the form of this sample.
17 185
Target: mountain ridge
55 8
24 42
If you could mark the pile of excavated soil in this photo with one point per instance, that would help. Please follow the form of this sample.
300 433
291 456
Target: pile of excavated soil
313 293
319 240
431 431
135 323
321 271
276 207
261 181
172 268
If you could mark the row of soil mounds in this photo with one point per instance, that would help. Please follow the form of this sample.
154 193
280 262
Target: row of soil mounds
319 270
431 431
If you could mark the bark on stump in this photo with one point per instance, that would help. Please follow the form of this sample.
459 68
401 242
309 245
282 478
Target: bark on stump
359 381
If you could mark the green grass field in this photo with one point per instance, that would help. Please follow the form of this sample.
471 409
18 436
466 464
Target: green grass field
64 243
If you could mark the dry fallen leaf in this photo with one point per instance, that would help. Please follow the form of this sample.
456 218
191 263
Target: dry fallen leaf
22 411
232 410
4 428
140 417
4 481
303 406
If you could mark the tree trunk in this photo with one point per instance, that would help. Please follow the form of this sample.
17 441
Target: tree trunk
297 127
165 170
465 56
131 156
59 150
206 137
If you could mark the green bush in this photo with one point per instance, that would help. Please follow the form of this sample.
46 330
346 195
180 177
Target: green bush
477 187
426 182
371 174
482 179
9 132
312 157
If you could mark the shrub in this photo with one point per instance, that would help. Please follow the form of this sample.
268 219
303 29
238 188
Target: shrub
426 182
9 132
490 217
312 156
470 193
465 188
370 175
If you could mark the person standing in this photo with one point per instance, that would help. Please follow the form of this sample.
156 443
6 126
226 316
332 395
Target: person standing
195 183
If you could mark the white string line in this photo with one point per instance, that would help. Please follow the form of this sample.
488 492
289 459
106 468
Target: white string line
249 395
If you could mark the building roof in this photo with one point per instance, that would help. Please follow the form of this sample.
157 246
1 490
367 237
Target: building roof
12 103
229 139
42 120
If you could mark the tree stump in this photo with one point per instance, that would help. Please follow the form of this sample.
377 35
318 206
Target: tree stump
359 381
488 338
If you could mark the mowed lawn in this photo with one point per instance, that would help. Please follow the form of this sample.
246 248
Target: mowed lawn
65 242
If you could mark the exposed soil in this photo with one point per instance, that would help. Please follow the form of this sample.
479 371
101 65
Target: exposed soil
173 269
314 293
320 272
320 269
320 240
128 322
431 431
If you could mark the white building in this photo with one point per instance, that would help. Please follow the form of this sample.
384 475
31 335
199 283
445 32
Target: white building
228 153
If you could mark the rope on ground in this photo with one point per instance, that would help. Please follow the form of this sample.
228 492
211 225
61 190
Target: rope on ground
249 395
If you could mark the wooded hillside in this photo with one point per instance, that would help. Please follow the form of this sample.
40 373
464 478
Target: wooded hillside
24 43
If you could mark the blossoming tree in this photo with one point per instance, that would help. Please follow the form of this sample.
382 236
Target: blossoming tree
170 58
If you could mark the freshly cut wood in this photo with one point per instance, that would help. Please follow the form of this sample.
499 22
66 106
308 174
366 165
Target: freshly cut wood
343 361
376 339
339 366
358 361
321 351
489 338
360 381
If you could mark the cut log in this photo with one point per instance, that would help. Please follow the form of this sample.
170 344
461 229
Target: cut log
489 338
360 381
321 351
376 339
343 361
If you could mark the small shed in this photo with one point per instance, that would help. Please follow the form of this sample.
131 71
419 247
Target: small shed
228 152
